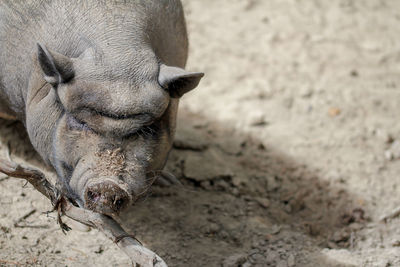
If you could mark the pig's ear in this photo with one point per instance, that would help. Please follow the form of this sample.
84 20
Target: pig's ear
177 81
56 67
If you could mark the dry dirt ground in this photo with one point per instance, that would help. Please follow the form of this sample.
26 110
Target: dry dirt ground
289 150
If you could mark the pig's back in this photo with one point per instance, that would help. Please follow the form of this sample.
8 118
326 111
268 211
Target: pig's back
122 33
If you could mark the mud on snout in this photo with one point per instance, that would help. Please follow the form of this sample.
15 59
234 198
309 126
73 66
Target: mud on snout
106 196
109 184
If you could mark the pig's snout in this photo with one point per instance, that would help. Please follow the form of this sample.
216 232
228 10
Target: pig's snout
106 197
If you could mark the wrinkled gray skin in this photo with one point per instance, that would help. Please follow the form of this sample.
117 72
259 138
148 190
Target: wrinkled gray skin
97 85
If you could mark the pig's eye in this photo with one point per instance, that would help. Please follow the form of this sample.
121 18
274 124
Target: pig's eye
74 124
147 132
131 136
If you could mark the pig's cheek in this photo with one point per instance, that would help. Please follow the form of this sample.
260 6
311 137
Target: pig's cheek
67 150
161 151
62 165
64 145
84 145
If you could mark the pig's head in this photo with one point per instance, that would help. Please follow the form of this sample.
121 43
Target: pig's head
116 128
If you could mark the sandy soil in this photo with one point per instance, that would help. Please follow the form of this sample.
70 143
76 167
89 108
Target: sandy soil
288 151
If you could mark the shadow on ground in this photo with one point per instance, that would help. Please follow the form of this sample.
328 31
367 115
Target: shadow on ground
242 203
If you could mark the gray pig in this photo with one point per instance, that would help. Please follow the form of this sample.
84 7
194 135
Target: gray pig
97 86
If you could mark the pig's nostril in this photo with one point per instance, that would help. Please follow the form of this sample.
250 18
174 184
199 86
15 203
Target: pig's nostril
119 202
93 196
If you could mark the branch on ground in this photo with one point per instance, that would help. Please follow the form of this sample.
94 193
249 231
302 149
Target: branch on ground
139 255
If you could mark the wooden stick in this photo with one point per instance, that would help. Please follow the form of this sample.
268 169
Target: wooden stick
136 252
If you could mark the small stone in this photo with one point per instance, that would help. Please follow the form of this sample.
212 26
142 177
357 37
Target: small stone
334 175
282 263
312 228
206 166
235 191
99 250
340 236
275 229
331 245
395 150
240 181
306 92
224 234
205 184
288 102
288 208
255 244
257 119
257 258
223 185
263 202
354 73
272 183
254 251
334 112
194 145
384 136
396 243
389 155
272 257
356 226
230 146
213 228
186 139
291 261
261 146
234 260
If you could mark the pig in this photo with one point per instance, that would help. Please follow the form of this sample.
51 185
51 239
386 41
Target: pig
97 85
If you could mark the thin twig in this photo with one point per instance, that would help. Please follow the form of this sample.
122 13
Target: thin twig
15 263
43 226
16 224
4 178
135 251
395 213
